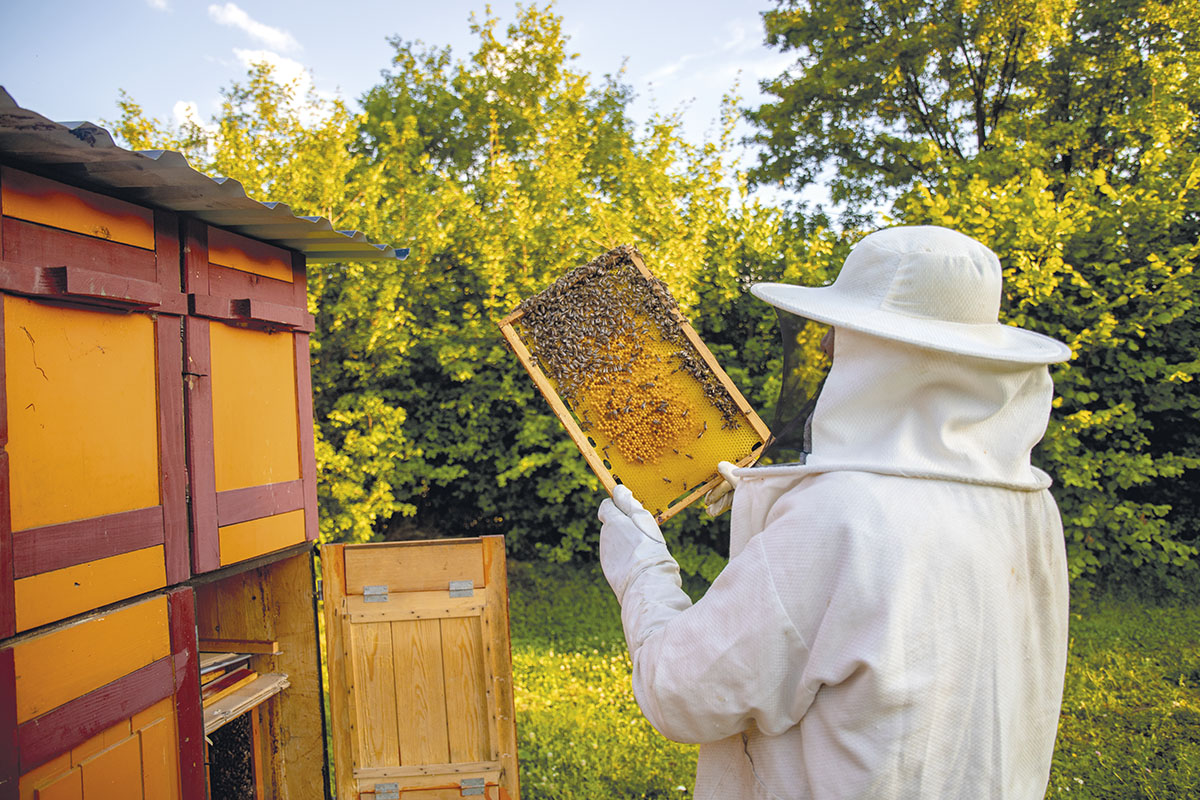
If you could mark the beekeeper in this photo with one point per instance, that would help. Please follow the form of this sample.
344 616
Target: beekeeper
892 622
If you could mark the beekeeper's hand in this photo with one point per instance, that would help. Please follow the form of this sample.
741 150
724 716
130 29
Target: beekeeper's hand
630 540
720 498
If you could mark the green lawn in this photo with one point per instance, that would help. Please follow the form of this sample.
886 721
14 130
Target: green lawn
1131 711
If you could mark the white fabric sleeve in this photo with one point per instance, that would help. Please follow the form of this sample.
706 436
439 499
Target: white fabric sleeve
705 672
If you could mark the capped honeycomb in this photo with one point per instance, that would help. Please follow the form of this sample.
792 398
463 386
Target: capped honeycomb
639 393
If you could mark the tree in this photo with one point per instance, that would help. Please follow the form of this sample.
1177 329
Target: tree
1064 137
501 171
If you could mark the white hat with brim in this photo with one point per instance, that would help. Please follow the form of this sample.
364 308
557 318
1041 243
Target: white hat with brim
924 285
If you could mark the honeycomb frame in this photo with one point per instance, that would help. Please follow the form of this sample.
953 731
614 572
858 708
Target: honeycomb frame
601 461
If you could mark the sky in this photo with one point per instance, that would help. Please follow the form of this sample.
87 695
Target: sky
68 59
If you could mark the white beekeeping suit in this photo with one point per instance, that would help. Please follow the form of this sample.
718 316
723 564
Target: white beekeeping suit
892 622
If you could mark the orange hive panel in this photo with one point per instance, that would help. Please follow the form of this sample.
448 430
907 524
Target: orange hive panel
640 394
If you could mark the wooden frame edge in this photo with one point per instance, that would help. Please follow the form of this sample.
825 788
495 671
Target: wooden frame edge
189 713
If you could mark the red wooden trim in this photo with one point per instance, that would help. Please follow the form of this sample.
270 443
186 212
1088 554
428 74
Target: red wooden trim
256 313
194 234
253 502
39 550
10 766
8 600
229 282
189 713
88 286
38 246
172 467
166 248
55 732
202 475
79 282
308 456
8 605
260 310
299 280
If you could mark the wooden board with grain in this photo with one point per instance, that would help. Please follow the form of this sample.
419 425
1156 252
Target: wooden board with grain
420 683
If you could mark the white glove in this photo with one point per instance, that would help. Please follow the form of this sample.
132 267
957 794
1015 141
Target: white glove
720 499
630 541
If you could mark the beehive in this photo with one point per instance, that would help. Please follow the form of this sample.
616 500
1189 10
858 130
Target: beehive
638 392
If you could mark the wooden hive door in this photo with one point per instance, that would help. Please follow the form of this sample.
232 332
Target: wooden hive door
420 671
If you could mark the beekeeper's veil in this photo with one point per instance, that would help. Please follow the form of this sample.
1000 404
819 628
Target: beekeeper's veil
925 287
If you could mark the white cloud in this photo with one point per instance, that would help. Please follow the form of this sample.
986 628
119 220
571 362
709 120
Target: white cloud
287 71
161 5
274 38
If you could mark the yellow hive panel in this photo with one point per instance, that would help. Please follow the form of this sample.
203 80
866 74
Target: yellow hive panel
82 412
637 390
256 422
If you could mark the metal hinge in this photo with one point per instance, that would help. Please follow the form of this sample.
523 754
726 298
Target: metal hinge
469 786
387 791
462 588
375 594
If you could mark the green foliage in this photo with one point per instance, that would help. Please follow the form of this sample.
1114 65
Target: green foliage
502 171
1065 140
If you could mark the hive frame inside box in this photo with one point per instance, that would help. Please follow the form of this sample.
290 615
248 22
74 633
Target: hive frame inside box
581 439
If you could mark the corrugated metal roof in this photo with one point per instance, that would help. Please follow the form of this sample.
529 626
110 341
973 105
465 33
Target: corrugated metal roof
85 154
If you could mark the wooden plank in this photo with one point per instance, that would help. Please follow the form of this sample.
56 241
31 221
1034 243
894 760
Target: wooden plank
238 679
375 691
267 646
74 723
37 550
413 566
255 414
499 654
420 692
56 667
160 759
246 696
9 762
428 787
172 477
206 547
67 786
168 257
37 199
416 605
8 599
466 692
50 596
117 772
83 413
29 245
342 720
104 287
242 253
308 457
258 751
249 539
420 770
181 609
229 283
38 777
295 731
253 502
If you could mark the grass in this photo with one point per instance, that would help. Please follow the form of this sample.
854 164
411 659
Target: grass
1130 725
